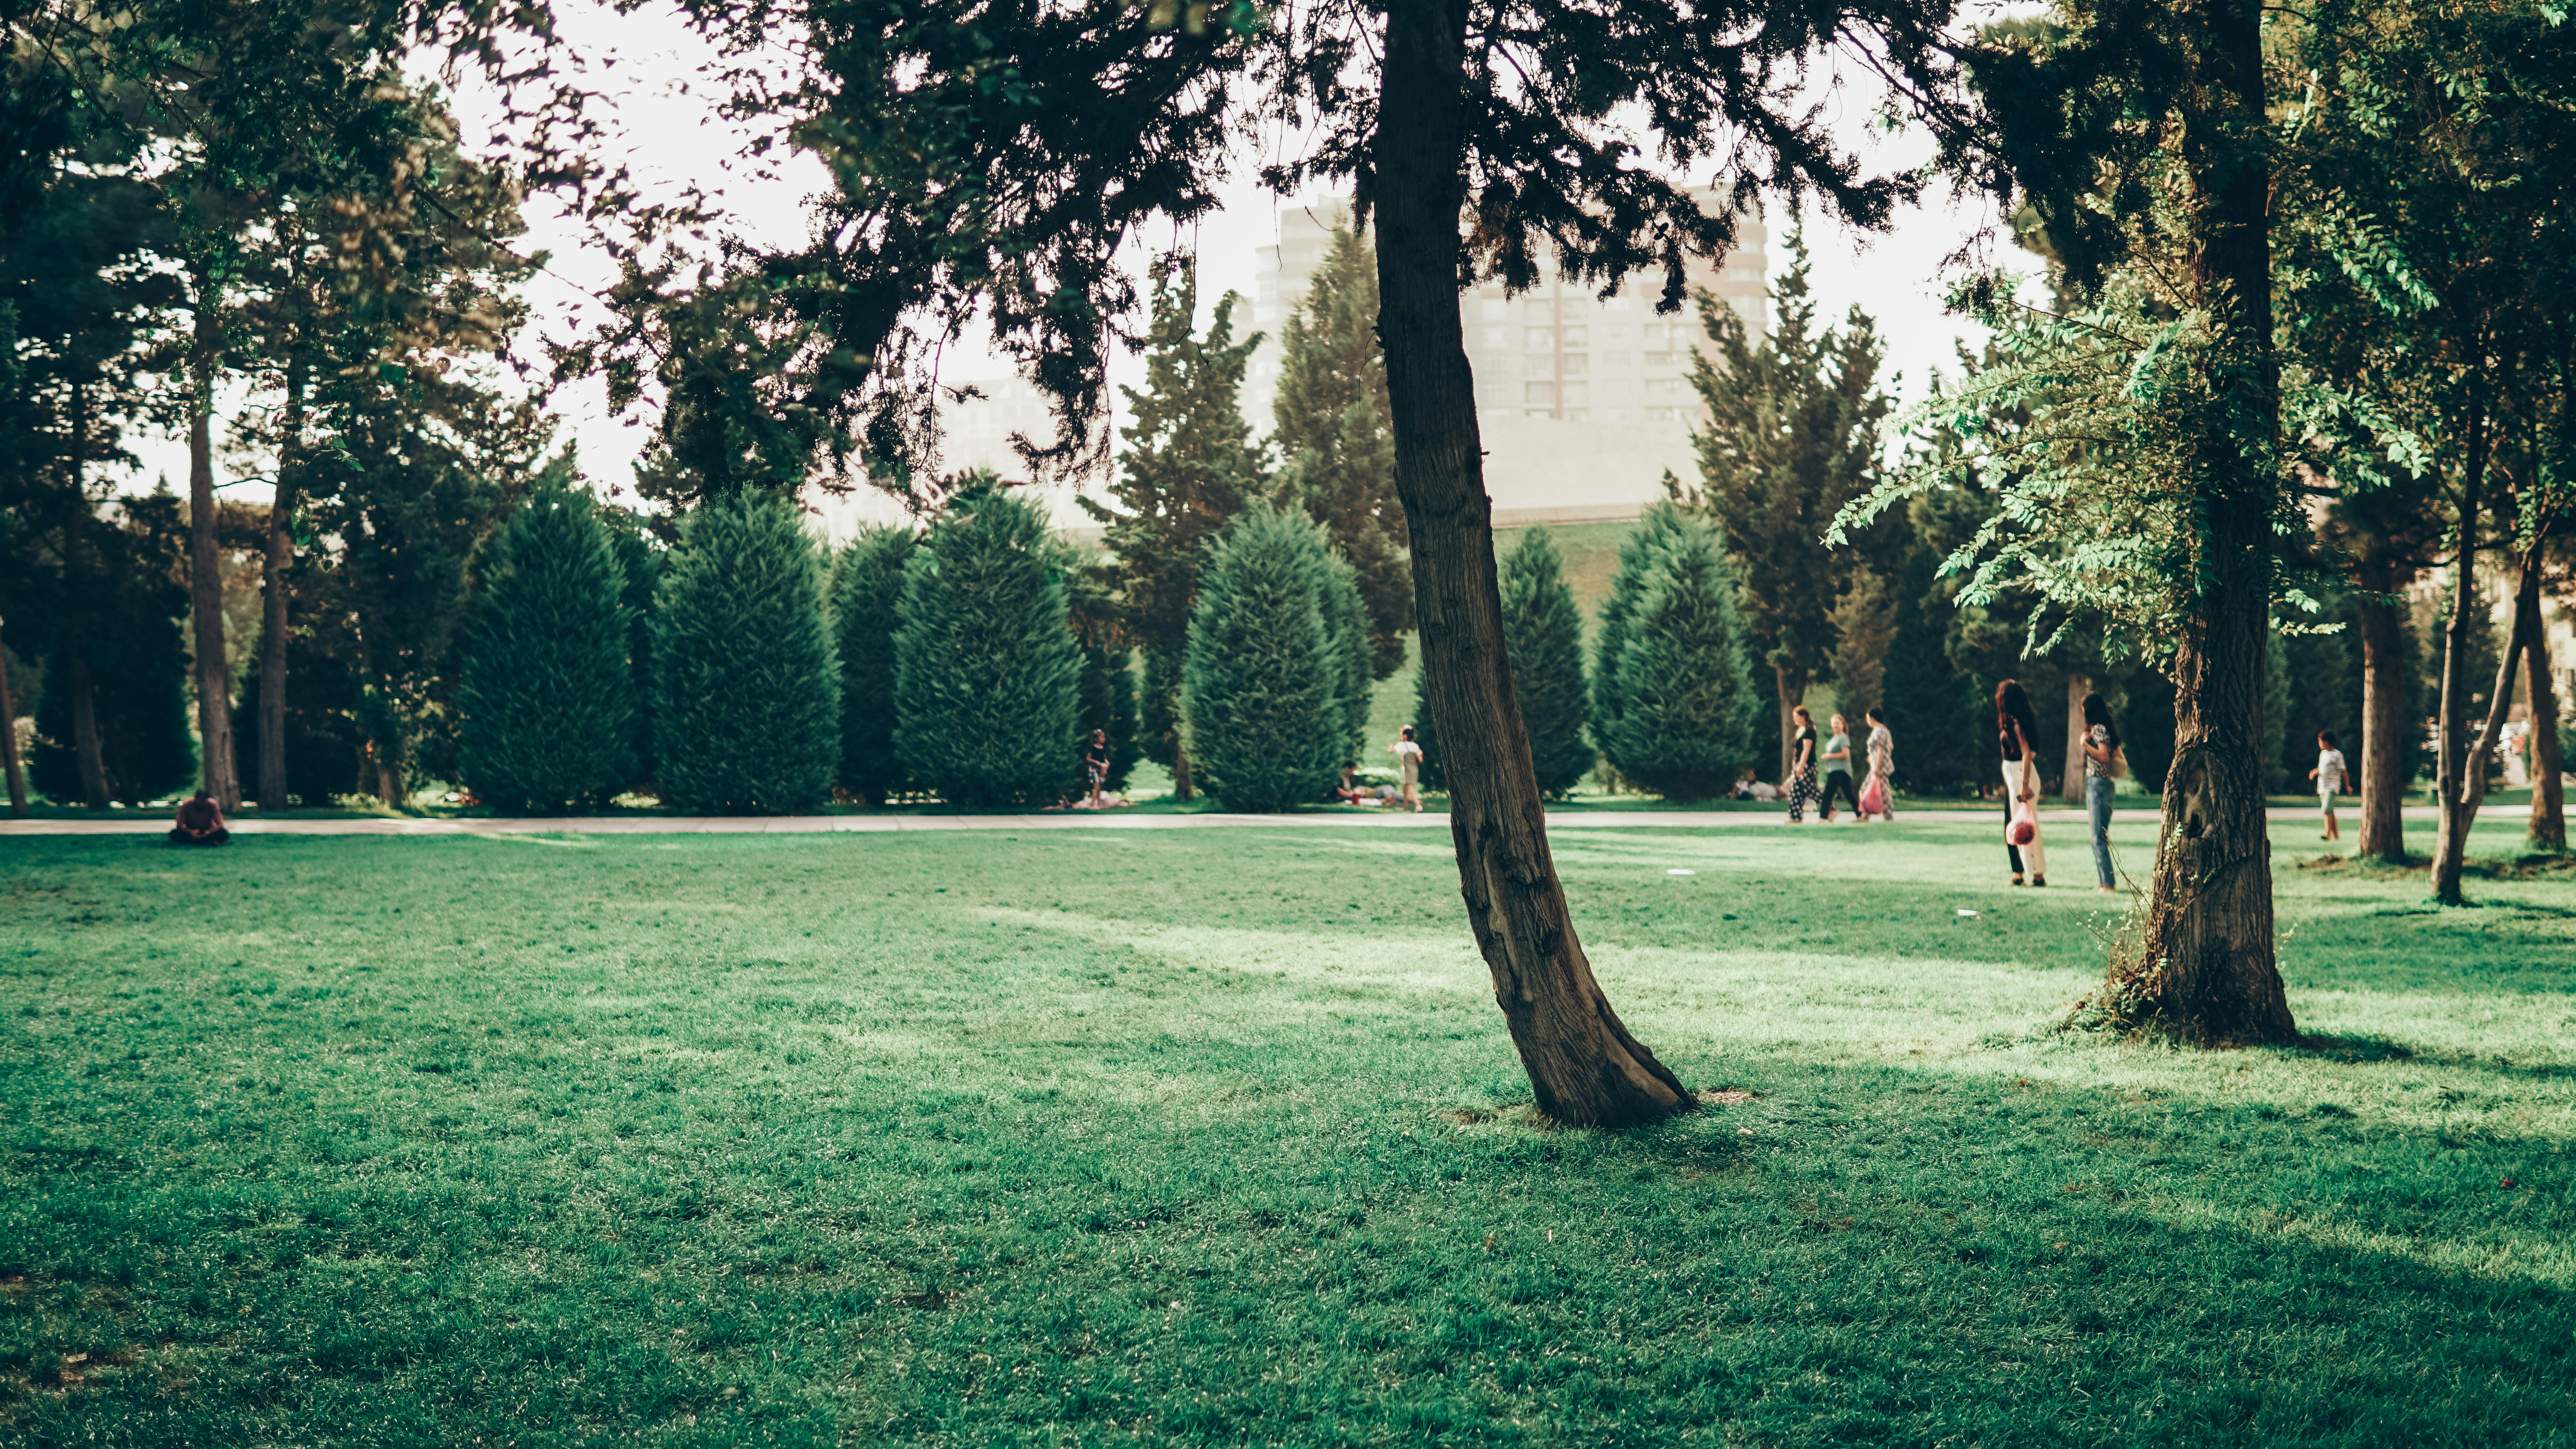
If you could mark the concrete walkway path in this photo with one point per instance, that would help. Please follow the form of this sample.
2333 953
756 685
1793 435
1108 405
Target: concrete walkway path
154 822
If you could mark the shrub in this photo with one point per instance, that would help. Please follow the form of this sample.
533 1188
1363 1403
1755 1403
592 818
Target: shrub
640 555
987 675
1265 677
867 590
546 707
1684 686
746 690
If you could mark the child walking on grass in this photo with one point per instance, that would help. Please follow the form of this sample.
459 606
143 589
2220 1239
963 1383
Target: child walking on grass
1408 757
2329 775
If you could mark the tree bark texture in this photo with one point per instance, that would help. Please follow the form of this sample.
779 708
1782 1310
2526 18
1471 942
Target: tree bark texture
86 751
2384 762
9 760
273 601
2071 784
1181 774
1584 1067
2450 766
2204 966
2451 850
2540 686
205 566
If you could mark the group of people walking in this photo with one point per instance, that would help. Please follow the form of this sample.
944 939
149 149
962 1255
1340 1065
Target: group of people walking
1820 772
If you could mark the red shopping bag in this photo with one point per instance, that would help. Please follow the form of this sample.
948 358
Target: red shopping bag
1873 797
2025 825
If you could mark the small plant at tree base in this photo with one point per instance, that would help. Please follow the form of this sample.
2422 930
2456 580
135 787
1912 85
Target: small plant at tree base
988 677
547 706
1684 686
1265 675
867 588
747 690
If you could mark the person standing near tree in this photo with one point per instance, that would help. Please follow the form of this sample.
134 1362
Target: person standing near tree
1408 757
2017 734
2329 775
1095 769
1882 767
1802 764
1838 771
2101 762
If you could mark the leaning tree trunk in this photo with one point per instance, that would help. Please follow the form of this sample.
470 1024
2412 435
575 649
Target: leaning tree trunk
2204 966
2548 786
2450 768
2072 785
273 600
86 750
1583 1066
2452 850
9 741
2384 762
205 566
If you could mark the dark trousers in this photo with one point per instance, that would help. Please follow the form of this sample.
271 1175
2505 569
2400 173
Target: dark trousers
211 837
1841 780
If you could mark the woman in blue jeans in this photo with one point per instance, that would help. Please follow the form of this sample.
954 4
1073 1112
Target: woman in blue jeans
2101 759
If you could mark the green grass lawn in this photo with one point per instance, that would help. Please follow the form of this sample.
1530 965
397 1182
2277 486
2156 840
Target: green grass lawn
1214 1137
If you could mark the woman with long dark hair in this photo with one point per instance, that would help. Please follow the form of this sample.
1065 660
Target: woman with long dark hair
1802 767
2101 763
2017 735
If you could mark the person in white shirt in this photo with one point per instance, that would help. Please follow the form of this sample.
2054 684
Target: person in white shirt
1408 757
2329 775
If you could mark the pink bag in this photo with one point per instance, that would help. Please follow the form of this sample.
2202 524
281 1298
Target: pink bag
2025 825
1873 797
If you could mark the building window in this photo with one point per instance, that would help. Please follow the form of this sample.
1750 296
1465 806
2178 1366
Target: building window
1577 337
1498 338
1616 304
1537 413
1495 309
1614 359
1663 359
1663 415
1577 364
1658 333
1539 394
1577 394
1539 339
1538 364
1538 307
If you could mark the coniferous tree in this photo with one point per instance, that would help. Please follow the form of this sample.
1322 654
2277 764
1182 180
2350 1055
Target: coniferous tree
988 676
1544 630
1793 435
640 554
1346 625
1189 465
122 661
1933 709
1109 706
1335 443
867 593
1264 683
1687 707
746 685
1658 529
546 704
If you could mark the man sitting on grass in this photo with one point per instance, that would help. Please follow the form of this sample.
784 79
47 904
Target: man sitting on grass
201 822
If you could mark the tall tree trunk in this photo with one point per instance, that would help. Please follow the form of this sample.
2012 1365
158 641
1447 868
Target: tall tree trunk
273 600
1181 774
2072 785
2450 768
2548 783
1791 683
205 563
1584 1067
2384 763
86 751
2204 966
9 741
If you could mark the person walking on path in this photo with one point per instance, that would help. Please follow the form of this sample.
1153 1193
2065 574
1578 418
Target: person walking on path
1408 758
1882 766
2017 734
2101 766
1838 768
2329 775
1802 767
1095 770
200 822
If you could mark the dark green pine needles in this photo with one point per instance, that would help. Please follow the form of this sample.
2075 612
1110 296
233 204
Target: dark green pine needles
1543 629
1270 661
987 673
747 689
867 584
546 706
1673 674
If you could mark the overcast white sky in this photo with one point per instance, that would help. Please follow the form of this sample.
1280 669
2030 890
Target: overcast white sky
666 130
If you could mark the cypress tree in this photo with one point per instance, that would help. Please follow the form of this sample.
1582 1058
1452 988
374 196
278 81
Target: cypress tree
1264 678
988 677
1346 626
639 554
1544 631
867 589
1933 710
746 686
1684 684
1639 559
546 708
